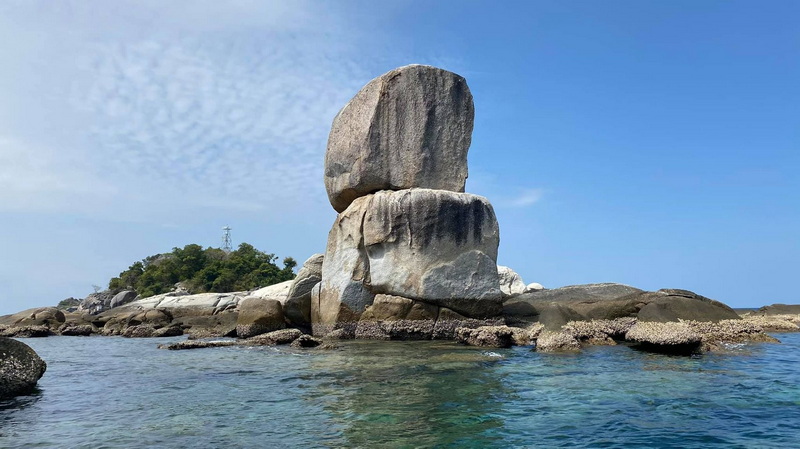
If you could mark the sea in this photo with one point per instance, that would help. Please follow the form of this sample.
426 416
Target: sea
112 392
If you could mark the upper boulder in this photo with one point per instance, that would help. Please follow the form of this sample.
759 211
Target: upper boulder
410 127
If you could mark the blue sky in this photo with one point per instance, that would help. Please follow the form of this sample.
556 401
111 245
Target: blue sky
650 143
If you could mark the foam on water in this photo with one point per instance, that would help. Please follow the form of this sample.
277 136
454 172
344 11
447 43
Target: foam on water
121 393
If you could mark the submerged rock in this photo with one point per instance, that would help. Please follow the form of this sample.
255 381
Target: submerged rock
410 127
20 368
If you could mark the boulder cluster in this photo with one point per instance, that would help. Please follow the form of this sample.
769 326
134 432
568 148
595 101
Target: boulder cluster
408 246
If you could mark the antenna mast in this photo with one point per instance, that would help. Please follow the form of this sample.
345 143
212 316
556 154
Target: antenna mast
226 239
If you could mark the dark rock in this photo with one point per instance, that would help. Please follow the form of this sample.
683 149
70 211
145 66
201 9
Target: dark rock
122 298
279 337
306 341
77 329
779 309
20 368
671 305
26 331
196 344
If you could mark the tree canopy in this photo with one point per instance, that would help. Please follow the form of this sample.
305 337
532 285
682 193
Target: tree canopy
204 270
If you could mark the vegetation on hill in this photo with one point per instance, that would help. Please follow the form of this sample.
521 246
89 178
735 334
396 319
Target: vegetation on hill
204 270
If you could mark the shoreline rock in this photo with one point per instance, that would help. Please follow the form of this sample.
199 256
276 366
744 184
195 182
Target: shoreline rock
20 368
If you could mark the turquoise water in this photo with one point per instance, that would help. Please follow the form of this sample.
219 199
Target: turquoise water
106 392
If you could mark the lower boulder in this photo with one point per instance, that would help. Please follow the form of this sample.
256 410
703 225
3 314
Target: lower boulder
259 316
20 368
396 318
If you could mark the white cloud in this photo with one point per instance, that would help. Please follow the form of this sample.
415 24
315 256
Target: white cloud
225 110
526 198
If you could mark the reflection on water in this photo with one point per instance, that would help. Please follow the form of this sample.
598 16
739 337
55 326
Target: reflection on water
410 394
125 393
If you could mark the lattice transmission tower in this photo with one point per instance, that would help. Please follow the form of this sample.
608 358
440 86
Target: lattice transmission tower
227 246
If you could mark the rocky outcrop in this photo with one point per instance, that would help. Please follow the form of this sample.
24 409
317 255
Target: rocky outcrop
560 341
556 307
668 338
49 317
489 336
278 292
511 283
779 309
533 287
96 302
259 316
428 245
20 368
297 307
122 298
671 305
410 127
395 170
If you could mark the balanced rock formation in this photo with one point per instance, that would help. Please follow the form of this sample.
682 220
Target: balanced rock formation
395 169
20 368
410 127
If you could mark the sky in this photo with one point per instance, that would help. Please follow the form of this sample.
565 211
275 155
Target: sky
651 143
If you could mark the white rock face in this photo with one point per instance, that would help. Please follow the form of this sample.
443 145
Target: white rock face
277 292
410 127
533 287
510 281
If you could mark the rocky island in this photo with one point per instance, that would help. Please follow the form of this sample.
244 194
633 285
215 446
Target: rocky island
410 256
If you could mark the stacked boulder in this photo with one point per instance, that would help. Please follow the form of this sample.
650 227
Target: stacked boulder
408 247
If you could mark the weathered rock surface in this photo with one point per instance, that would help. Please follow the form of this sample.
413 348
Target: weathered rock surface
49 317
410 127
556 307
668 338
434 246
671 305
343 295
489 336
96 302
549 341
25 331
779 309
449 320
259 316
197 344
71 328
122 298
533 287
511 283
20 368
279 337
277 292
306 341
297 307
397 318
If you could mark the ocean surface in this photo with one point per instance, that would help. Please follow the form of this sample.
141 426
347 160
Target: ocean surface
108 392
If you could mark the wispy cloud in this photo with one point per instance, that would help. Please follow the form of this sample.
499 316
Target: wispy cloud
228 113
525 198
